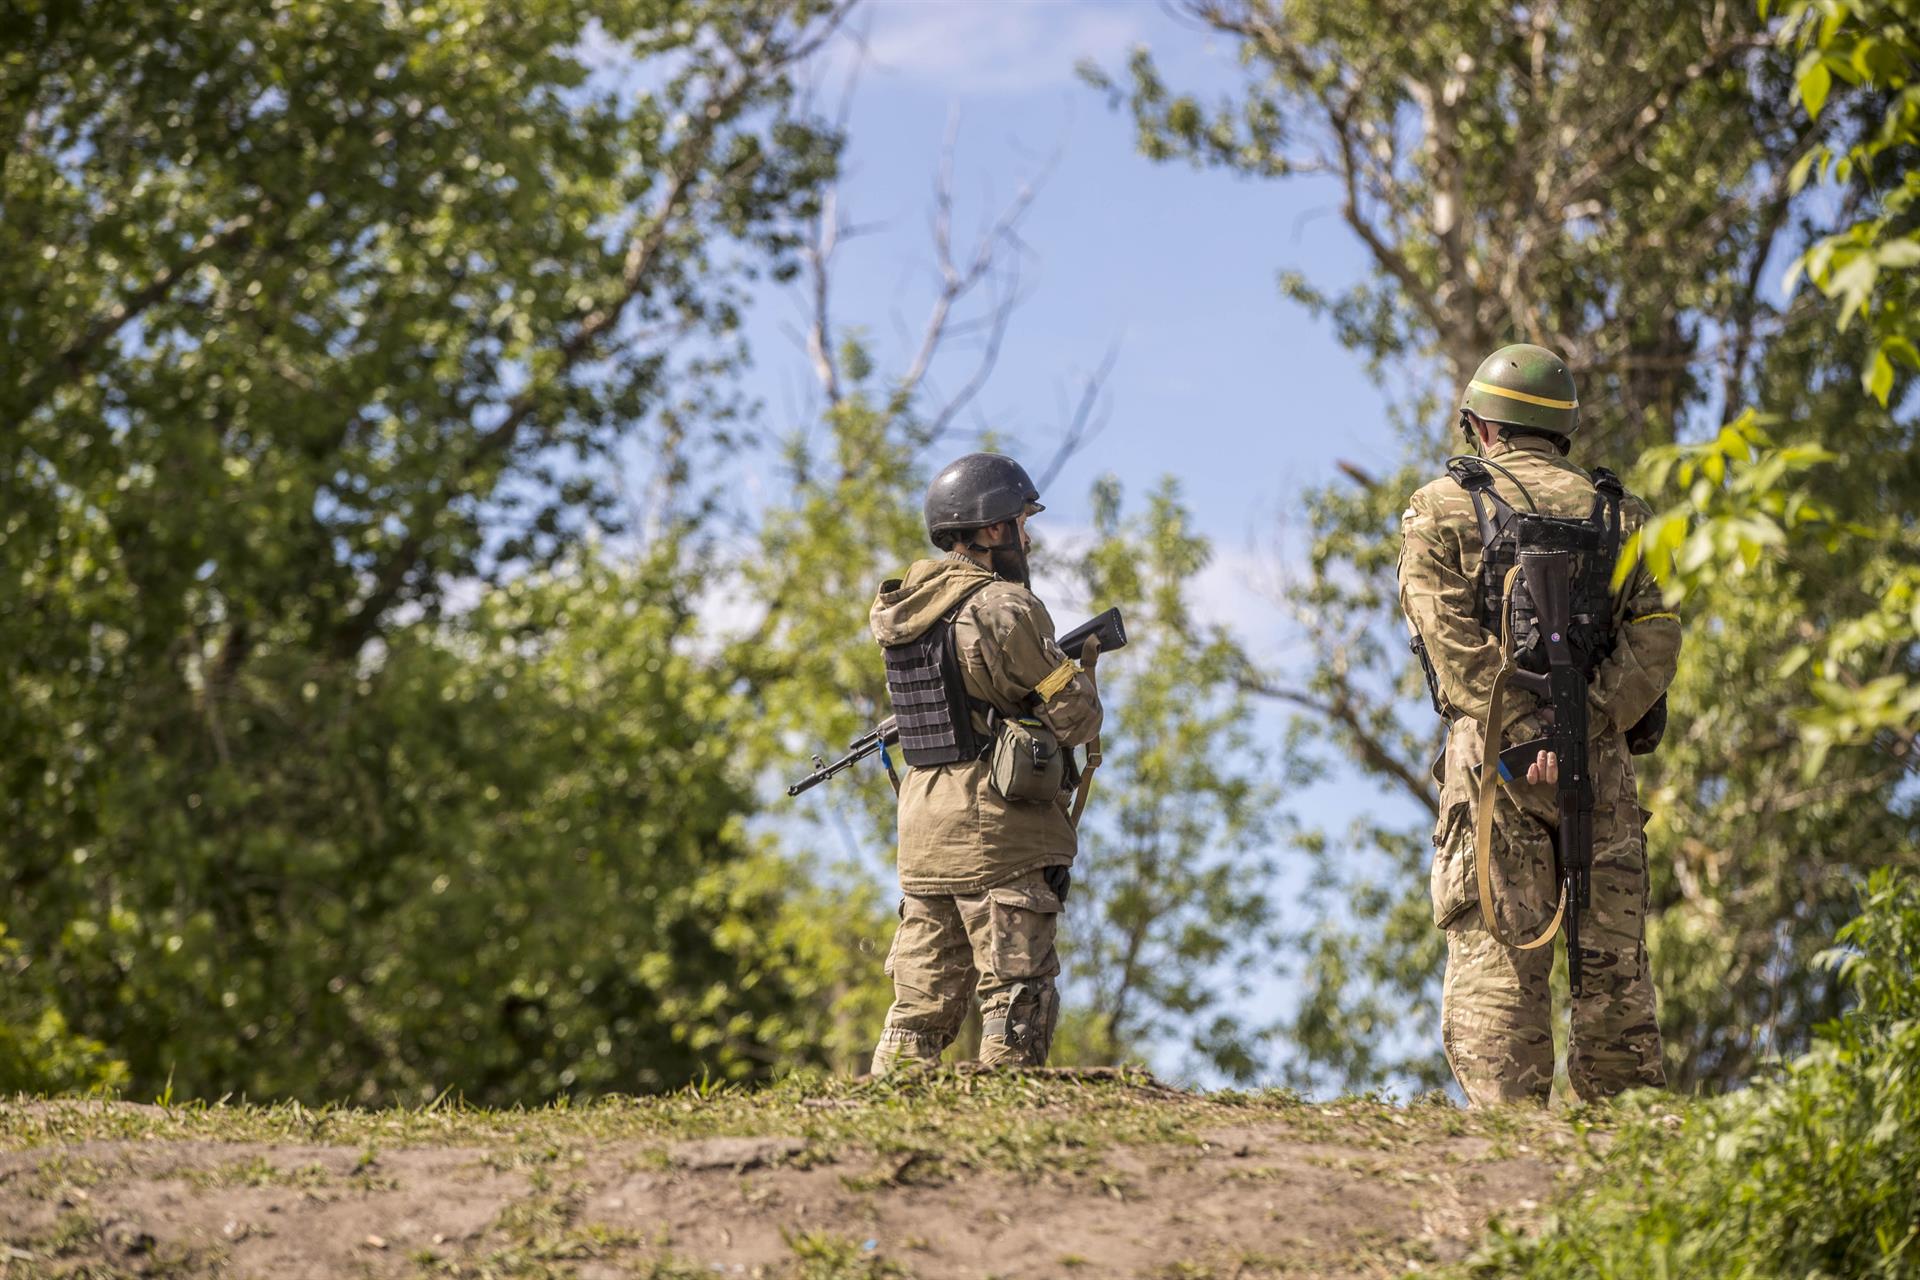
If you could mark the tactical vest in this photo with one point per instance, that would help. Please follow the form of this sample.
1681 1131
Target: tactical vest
1504 530
1594 543
929 695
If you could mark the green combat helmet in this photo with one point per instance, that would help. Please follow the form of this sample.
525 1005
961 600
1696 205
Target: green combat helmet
1525 386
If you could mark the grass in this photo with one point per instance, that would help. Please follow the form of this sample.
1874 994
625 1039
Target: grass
918 1125
909 1130
77 1247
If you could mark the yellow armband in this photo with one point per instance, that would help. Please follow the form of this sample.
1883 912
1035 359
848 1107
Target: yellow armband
1060 678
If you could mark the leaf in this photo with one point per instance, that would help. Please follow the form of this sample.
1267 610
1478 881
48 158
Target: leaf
1795 659
1904 252
1802 169
1878 379
1814 82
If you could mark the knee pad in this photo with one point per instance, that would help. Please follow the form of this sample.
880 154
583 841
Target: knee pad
1022 1033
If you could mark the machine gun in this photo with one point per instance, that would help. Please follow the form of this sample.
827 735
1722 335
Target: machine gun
1108 626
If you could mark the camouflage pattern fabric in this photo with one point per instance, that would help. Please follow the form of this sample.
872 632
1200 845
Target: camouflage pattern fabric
999 944
977 914
957 834
1496 1006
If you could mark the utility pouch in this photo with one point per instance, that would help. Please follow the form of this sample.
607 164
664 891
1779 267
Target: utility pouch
1027 763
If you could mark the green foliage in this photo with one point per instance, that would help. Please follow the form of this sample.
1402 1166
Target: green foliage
338 760
39 1052
1170 907
1867 266
1868 670
1812 1172
1802 549
849 519
1612 184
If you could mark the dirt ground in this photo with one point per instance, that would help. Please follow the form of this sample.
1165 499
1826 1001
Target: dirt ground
1354 1189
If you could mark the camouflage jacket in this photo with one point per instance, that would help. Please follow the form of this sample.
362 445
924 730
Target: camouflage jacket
1439 570
958 835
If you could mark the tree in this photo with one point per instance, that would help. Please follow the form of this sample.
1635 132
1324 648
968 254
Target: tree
1536 173
1170 910
322 323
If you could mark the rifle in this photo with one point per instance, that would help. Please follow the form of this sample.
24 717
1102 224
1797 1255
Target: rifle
1564 686
879 738
1108 626
1547 574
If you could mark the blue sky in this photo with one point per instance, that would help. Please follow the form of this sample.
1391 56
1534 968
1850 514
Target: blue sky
1219 381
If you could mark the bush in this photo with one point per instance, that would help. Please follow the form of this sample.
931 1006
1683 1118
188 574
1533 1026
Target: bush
1814 1173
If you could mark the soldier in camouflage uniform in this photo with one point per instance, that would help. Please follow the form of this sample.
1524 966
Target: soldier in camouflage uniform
1520 409
982 877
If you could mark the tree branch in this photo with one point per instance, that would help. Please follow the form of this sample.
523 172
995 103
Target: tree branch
1083 426
1629 128
72 360
642 254
1343 710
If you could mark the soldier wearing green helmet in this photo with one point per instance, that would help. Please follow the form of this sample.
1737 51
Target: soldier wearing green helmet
1458 568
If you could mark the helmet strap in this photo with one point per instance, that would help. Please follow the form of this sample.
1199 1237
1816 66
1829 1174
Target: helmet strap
1471 432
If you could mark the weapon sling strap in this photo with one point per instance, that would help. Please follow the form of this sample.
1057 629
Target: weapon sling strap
1490 784
1085 788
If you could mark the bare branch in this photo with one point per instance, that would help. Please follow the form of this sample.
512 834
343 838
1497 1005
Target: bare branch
1343 708
994 261
819 254
1083 426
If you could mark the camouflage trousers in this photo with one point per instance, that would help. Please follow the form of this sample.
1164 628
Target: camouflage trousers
998 944
1497 1002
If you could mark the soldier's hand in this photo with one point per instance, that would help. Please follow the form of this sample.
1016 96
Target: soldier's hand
1545 768
1090 653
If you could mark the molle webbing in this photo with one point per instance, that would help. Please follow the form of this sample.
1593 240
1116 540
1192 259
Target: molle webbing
929 695
1503 532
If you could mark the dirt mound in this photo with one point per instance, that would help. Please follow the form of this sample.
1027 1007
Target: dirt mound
947 1175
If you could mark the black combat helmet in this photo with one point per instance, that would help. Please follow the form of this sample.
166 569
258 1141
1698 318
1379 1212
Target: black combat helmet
976 491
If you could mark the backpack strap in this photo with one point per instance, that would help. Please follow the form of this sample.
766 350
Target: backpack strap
1490 510
1469 473
1608 494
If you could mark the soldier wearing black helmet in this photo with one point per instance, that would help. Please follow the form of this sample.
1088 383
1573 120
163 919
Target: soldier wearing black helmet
972 663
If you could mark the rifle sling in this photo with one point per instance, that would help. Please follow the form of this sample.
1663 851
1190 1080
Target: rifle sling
1086 782
1490 784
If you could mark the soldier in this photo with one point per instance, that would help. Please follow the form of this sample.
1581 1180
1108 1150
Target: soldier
1520 411
971 657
